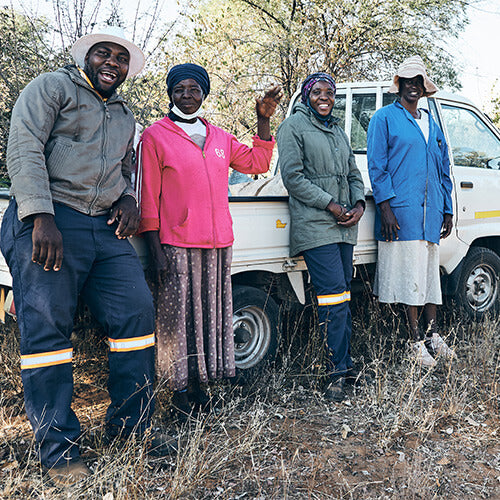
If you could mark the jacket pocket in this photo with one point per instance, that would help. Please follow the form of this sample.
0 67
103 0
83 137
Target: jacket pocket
403 191
183 222
58 157
395 203
185 233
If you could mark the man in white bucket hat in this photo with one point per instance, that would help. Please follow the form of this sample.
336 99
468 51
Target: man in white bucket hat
410 176
109 34
70 157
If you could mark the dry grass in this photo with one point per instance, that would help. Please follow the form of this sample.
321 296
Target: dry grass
412 434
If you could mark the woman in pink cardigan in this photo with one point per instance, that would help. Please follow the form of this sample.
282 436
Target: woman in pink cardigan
184 165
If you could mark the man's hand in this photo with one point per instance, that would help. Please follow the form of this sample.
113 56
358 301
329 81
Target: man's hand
389 222
125 212
47 243
352 217
266 106
447 226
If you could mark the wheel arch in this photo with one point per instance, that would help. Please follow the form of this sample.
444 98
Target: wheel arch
276 284
491 242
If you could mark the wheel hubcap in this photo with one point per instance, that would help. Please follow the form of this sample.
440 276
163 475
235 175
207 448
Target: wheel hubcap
482 287
253 336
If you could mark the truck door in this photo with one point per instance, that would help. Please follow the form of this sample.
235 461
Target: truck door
475 148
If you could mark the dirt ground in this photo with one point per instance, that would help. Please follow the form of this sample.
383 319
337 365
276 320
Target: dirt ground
410 433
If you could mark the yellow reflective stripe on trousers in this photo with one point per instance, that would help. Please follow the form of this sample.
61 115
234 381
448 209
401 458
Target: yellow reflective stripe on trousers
334 299
43 359
133 344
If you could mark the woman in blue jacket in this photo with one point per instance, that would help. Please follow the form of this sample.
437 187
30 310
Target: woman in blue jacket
409 171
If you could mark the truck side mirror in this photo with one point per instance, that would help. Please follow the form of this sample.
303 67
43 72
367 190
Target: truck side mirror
494 163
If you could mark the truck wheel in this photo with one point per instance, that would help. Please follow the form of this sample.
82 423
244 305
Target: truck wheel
255 324
478 286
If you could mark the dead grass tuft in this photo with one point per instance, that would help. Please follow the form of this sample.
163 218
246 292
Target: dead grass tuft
411 434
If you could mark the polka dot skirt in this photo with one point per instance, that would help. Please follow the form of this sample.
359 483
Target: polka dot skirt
194 316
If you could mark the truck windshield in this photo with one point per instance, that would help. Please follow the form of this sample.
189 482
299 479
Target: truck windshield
471 140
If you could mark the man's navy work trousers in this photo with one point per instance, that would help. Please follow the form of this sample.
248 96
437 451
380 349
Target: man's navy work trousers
107 273
331 268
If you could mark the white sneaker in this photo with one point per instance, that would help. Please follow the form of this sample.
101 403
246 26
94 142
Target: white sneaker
439 347
422 354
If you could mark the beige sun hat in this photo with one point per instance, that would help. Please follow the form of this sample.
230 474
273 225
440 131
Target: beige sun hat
410 68
113 34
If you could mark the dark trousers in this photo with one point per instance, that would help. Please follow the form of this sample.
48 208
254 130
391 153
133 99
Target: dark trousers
107 274
331 268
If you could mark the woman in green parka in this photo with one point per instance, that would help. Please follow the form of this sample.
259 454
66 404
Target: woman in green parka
326 203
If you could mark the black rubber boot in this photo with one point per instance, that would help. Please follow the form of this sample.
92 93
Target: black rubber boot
336 390
180 404
200 399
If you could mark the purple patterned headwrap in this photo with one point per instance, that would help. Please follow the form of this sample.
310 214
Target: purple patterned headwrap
308 83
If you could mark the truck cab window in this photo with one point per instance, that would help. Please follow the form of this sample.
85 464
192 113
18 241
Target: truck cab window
339 110
363 108
434 113
473 143
388 98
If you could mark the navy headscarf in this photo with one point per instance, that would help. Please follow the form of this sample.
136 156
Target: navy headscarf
305 90
183 72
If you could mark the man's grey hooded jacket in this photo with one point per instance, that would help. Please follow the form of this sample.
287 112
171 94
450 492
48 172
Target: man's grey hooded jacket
317 166
67 145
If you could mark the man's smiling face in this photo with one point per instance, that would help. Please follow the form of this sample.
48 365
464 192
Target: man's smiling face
106 65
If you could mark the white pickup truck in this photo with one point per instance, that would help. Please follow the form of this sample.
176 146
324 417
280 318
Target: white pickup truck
263 273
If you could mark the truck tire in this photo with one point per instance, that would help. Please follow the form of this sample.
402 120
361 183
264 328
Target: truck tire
478 285
255 324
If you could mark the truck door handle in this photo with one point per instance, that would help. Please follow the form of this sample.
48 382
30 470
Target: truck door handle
466 184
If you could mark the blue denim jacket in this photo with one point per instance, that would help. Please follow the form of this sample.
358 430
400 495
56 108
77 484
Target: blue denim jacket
414 175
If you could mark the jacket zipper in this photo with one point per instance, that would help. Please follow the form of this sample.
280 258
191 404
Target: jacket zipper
208 177
426 170
107 116
426 177
426 189
211 192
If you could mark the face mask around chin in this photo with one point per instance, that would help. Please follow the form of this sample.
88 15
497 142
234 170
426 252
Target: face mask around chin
184 116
